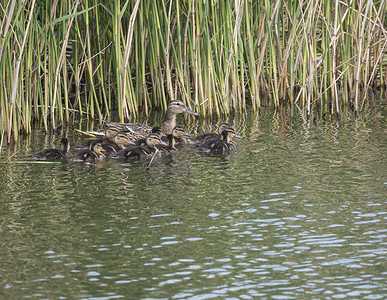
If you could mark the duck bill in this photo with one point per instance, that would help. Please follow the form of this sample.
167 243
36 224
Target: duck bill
162 143
191 112
238 136
187 133
130 142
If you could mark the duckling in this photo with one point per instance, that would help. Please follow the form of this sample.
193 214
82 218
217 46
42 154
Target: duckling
179 135
201 138
157 130
174 108
142 151
220 145
114 128
175 138
55 154
93 153
119 142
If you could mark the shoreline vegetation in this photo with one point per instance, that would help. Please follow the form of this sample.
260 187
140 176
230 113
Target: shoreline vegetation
67 60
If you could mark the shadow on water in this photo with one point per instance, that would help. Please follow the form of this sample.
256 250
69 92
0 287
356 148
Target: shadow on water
298 212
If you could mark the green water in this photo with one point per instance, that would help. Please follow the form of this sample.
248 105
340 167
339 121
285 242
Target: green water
299 212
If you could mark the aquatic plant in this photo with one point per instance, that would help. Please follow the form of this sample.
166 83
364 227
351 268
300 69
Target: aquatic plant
67 60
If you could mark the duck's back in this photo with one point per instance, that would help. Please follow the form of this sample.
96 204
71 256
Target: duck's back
204 137
86 143
86 155
216 146
49 154
133 152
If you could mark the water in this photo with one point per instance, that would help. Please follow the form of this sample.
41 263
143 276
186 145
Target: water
299 212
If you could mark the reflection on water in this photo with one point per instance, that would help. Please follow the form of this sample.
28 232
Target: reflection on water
298 212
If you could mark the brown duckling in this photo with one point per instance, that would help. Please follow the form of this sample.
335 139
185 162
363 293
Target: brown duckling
220 145
156 130
141 151
93 153
175 138
179 134
120 140
174 108
201 138
55 154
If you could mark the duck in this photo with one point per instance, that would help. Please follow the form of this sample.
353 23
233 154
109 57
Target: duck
156 130
174 108
175 138
141 151
55 154
95 152
119 142
201 138
222 144
179 134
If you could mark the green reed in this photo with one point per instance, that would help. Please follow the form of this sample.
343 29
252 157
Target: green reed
66 60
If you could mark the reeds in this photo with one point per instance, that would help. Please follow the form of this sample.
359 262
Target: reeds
92 59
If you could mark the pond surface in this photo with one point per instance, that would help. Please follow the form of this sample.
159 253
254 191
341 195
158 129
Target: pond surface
299 212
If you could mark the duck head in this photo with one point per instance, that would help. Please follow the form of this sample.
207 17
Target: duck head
97 149
178 107
179 132
157 130
229 133
230 130
111 131
121 139
153 139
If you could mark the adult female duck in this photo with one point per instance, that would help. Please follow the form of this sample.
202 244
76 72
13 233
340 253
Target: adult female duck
174 108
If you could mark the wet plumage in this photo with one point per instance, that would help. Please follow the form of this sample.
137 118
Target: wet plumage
55 154
175 138
119 141
201 138
222 144
141 151
93 153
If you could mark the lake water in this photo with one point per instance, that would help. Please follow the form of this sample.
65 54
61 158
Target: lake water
299 212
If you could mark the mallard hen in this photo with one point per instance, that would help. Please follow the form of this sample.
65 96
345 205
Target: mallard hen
174 108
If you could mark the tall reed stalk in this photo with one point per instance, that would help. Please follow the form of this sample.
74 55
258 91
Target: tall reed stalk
117 59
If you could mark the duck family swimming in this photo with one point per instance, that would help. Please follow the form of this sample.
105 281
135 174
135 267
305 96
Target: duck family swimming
138 141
